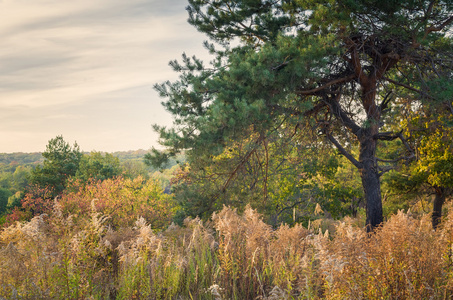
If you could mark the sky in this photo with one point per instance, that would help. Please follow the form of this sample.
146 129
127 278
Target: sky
85 70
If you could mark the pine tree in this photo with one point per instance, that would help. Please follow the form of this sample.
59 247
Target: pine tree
61 161
335 66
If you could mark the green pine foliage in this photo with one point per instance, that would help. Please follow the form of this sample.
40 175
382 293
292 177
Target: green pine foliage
61 161
337 68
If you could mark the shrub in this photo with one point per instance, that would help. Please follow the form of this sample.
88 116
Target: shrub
123 200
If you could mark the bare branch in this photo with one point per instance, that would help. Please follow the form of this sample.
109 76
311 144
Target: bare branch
390 161
343 151
429 10
285 110
296 112
385 170
390 136
384 104
315 109
356 64
326 85
240 165
408 147
338 112
439 27
387 136
290 207
407 87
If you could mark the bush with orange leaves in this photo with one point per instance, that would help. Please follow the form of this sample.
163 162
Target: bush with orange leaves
122 199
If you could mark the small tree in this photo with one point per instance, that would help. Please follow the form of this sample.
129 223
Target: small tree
61 161
432 172
96 166
4 195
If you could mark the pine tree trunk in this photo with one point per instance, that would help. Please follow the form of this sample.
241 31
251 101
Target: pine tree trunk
439 200
370 180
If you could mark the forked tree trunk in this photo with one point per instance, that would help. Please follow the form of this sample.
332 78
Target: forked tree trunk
370 179
439 200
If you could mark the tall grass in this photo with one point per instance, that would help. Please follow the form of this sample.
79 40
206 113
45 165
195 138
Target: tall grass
232 257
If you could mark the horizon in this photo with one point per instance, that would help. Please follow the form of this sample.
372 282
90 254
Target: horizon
81 150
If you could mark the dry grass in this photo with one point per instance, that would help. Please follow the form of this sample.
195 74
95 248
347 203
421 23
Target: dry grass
402 260
234 257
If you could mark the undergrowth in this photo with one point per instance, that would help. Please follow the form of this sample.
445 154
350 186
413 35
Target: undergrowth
231 257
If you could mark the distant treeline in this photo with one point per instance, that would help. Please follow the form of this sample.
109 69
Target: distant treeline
22 158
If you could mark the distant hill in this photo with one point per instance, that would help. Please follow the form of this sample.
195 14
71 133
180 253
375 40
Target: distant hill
21 158
130 155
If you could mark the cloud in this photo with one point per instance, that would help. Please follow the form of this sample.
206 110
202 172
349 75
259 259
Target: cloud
92 47
61 60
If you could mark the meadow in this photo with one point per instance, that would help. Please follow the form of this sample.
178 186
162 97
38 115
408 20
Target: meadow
58 255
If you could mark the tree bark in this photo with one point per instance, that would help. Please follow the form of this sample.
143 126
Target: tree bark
370 179
439 200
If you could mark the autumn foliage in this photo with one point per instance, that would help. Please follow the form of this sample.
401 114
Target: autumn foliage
121 199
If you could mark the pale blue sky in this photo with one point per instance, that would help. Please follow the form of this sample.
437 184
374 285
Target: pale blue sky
85 69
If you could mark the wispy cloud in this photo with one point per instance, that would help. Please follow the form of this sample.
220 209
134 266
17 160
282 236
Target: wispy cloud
61 61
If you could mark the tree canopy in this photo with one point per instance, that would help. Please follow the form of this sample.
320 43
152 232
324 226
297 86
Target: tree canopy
431 134
334 67
95 166
61 161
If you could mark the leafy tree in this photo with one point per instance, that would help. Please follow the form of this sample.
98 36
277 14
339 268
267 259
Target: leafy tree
432 172
36 200
5 179
96 166
133 169
329 65
21 178
61 161
15 200
435 168
4 195
15 176
285 178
